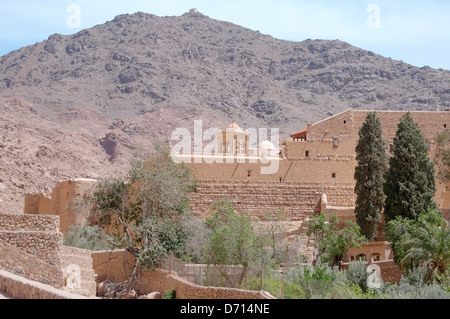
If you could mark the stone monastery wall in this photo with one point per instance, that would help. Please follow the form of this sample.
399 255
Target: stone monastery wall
258 199
323 162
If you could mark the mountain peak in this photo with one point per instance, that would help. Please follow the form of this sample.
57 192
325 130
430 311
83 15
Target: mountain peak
139 63
194 13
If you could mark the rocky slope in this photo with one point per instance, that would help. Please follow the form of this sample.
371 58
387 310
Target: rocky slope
76 106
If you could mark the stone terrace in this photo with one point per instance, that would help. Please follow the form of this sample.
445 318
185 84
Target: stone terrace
258 198
31 247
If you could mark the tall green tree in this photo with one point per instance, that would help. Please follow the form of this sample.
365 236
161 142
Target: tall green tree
431 248
372 164
144 211
232 240
422 242
410 181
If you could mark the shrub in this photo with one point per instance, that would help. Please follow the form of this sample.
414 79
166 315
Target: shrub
343 291
316 281
274 285
169 294
406 290
293 291
417 276
410 292
357 275
87 237
318 272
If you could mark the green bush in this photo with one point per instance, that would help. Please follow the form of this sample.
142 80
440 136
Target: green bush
315 280
406 290
357 275
170 294
274 285
317 272
345 291
293 291
87 237
417 276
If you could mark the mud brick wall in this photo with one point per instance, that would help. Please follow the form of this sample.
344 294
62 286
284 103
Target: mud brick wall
65 201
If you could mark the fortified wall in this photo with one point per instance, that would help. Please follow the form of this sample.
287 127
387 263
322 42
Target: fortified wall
319 160
315 173
65 202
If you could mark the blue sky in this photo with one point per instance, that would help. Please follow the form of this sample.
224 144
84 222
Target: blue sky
414 31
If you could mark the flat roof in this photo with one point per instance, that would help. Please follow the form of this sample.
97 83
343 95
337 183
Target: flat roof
299 134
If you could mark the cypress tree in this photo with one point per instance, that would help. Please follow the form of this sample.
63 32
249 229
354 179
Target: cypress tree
372 163
410 181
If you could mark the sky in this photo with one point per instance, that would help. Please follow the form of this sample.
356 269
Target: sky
414 31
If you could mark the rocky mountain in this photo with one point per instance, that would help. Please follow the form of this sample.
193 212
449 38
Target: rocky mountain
77 105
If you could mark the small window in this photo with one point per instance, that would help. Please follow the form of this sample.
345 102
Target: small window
345 121
376 257
445 125
307 153
361 257
335 142
249 173
333 175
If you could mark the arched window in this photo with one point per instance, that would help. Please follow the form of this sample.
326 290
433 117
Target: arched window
376 257
362 257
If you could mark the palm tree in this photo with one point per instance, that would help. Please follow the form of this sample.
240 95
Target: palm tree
430 248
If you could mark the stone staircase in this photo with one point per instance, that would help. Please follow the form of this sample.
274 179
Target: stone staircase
257 198
31 246
78 262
